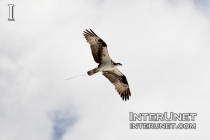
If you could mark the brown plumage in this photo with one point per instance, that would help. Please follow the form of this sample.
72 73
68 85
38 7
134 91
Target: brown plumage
97 45
119 81
106 65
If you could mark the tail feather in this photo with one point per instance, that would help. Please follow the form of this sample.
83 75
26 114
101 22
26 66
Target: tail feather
93 71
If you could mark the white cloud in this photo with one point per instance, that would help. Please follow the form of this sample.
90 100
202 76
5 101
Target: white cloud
163 46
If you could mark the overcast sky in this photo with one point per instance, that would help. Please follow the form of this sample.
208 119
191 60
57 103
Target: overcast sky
164 46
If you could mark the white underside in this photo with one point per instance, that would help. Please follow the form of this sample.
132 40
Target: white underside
106 66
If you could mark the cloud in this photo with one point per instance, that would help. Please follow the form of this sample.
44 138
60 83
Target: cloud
62 120
163 46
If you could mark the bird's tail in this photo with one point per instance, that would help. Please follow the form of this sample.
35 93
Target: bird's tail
93 71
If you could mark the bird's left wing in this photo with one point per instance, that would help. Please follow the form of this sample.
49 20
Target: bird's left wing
119 81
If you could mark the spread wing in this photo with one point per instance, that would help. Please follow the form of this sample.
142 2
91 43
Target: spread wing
98 47
119 81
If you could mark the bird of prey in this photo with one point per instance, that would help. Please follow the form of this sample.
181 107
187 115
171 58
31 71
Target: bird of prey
106 65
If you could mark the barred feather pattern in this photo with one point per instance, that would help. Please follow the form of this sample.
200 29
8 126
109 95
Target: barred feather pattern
93 71
97 45
120 83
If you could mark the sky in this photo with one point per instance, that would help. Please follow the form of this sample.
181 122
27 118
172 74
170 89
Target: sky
163 46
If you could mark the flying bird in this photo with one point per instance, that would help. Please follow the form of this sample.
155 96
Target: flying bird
106 65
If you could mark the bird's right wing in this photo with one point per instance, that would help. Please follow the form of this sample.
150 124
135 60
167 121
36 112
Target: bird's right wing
98 47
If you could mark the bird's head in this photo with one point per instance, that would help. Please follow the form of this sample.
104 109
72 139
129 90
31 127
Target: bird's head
118 64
